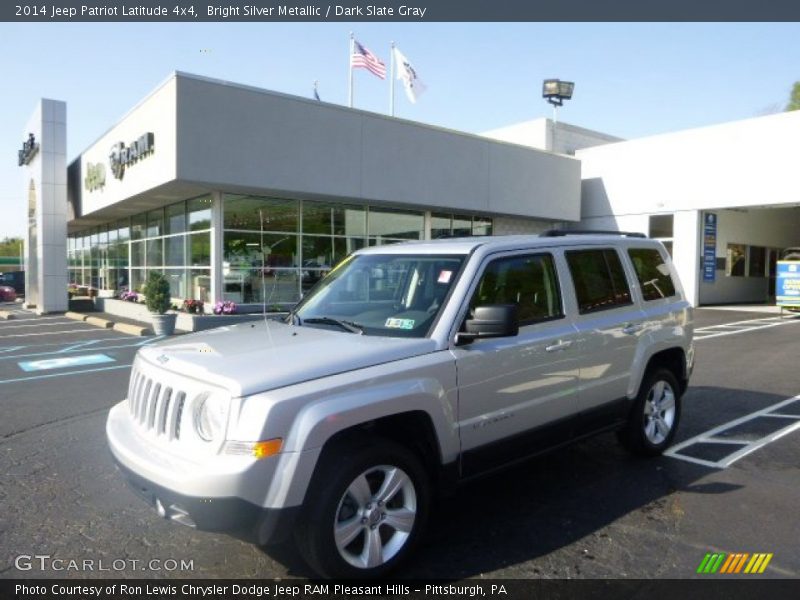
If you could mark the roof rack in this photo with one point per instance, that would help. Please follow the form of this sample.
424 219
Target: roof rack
564 232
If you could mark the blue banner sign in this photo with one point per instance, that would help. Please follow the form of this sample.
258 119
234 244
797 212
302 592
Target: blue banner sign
787 284
709 247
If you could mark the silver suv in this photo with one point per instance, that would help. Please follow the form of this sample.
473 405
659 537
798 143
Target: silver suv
407 369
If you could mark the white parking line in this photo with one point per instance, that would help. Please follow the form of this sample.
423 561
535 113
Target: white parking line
63 322
73 348
65 374
713 331
88 330
748 446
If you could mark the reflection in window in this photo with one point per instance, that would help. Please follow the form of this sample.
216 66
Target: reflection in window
254 213
530 282
735 260
599 280
652 273
199 210
395 223
324 218
758 261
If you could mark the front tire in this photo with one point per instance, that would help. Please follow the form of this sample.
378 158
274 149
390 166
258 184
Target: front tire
654 417
366 510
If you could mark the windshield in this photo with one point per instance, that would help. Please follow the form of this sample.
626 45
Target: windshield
396 295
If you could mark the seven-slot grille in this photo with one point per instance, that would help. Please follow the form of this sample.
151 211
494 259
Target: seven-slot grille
155 407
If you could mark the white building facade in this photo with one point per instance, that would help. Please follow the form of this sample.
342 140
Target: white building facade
243 194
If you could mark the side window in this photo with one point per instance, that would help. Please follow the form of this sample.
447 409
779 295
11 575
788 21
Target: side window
652 273
528 281
599 279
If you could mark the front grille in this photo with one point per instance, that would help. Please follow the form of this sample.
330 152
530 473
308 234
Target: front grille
156 408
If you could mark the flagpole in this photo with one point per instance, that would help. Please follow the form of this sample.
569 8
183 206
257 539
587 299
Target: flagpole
350 68
391 83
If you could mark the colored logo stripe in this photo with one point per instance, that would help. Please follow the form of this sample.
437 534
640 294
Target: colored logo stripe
734 563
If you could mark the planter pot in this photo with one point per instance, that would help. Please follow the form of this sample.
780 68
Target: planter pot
164 324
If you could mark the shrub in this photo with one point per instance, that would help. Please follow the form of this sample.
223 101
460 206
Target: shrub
156 292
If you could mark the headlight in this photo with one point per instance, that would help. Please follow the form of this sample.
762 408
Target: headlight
209 416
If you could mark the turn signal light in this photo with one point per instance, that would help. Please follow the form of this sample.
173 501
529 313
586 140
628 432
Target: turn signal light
256 449
267 448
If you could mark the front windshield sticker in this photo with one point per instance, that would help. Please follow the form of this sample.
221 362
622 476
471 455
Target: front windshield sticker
444 276
400 323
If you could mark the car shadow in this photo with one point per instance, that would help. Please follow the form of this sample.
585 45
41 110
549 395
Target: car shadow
553 501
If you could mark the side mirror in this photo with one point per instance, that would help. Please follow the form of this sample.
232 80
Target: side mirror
491 321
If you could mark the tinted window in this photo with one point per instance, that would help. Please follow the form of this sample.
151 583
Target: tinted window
599 279
530 282
652 273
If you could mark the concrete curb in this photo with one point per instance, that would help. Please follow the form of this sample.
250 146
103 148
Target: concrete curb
132 329
98 322
4 314
75 316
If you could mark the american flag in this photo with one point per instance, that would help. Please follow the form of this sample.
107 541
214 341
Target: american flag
363 58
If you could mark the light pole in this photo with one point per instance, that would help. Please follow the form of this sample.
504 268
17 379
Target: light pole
555 92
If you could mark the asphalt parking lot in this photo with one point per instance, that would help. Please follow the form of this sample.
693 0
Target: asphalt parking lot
589 511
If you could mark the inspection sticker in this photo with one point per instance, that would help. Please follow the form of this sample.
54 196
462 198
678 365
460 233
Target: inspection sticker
444 276
400 323
67 361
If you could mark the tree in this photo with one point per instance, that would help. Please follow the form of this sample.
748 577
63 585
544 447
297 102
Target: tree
794 97
9 246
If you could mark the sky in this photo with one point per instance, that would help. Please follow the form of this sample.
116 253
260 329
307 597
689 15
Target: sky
631 80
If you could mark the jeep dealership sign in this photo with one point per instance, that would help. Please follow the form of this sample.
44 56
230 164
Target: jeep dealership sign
122 156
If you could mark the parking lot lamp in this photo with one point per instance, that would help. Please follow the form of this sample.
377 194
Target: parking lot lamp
555 92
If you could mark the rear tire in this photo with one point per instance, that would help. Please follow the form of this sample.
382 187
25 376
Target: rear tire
655 414
365 511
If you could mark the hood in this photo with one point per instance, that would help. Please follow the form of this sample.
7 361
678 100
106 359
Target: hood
255 357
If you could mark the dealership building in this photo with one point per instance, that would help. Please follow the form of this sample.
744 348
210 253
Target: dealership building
244 194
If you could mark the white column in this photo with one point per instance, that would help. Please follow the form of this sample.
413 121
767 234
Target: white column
686 251
217 256
45 181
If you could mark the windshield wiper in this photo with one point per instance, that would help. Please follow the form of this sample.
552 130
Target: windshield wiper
346 325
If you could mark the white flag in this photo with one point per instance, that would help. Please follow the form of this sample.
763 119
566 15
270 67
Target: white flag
405 72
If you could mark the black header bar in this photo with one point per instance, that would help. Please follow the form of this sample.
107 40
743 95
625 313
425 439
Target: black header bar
403 11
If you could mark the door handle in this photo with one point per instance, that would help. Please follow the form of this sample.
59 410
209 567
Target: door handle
632 328
559 346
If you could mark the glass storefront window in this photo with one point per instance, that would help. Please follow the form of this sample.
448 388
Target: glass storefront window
137 254
243 250
252 213
175 250
481 226
138 225
758 261
324 218
290 256
155 223
177 283
462 226
735 263
395 223
200 284
199 210
199 247
175 218
137 279
155 252
441 226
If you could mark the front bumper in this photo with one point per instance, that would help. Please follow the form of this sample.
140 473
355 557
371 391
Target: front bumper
233 516
210 492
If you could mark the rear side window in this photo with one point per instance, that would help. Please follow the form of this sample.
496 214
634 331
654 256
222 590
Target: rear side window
528 281
652 273
599 279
